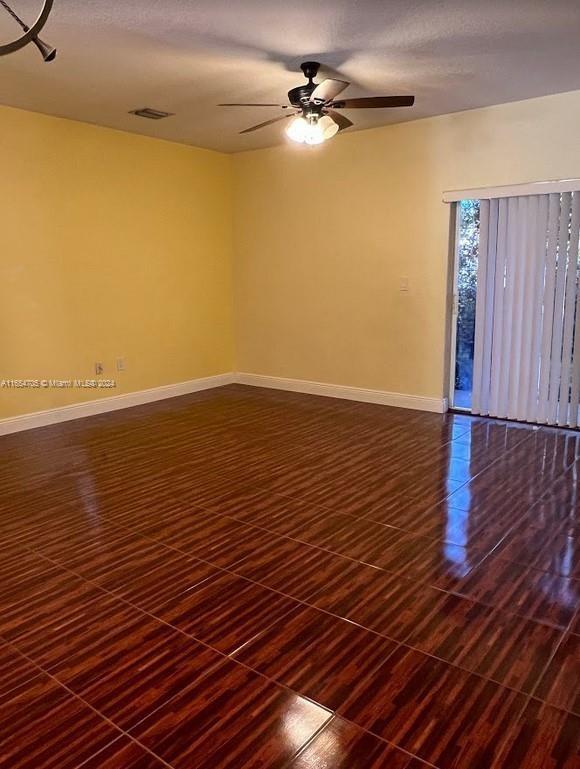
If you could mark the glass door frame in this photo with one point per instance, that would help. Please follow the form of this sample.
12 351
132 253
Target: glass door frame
454 230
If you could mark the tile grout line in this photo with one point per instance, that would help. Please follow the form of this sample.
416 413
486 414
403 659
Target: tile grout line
397 528
61 685
336 717
221 569
564 637
349 558
302 501
305 500
224 656
303 602
231 655
231 571
493 462
231 567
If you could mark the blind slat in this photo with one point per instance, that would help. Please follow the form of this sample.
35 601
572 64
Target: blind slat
481 309
569 313
558 325
529 308
549 298
496 318
537 321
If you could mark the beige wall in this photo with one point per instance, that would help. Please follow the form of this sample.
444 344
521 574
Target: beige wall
323 235
110 245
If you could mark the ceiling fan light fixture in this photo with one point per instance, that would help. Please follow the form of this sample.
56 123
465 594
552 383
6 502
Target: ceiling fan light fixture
311 129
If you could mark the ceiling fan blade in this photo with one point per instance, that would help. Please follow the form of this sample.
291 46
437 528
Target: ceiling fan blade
282 106
374 102
341 120
267 122
327 90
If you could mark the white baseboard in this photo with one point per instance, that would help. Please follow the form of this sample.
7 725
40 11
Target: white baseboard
400 400
112 403
116 402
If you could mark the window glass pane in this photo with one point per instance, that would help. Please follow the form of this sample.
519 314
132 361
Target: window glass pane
468 248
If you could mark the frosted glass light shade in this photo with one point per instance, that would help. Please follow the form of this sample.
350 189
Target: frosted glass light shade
297 130
328 126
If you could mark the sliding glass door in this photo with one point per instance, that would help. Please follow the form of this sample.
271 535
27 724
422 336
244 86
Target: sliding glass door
516 351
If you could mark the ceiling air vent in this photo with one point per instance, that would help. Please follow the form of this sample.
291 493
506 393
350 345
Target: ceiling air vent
151 114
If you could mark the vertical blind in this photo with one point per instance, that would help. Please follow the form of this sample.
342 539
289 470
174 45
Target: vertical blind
527 320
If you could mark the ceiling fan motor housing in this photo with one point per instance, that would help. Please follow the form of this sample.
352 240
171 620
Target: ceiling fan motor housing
300 97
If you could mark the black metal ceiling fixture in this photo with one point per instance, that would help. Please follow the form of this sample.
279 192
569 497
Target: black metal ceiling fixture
30 33
313 107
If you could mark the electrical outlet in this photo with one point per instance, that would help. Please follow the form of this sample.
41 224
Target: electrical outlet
99 368
120 363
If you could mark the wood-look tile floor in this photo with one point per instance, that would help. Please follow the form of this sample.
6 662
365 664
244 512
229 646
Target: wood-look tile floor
253 579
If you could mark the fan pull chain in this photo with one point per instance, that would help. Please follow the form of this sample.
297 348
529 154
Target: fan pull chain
16 18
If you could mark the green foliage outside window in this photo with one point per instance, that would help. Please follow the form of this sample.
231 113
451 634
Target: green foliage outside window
468 211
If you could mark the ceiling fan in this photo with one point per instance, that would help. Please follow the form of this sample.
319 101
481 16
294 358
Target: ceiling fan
313 107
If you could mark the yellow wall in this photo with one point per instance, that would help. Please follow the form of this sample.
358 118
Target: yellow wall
110 245
323 236
113 244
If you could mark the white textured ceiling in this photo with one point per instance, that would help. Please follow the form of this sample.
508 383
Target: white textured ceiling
186 56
